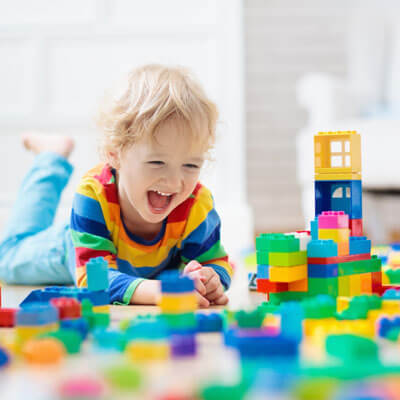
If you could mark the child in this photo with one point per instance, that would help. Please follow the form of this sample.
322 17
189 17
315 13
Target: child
143 209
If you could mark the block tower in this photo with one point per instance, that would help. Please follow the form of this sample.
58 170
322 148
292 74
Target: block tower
335 259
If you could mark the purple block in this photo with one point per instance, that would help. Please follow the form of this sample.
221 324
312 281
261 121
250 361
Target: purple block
183 345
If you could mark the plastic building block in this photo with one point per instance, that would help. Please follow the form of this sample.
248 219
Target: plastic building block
393 275
4 358
337 235
183 346
287 259
277 242
147 351
224 392
176 322
67 307
356 227
338 259
386 324
43 351
392 294
267 286
359 245
36 314
69 338
314 229
150 329
322 270
322 248
82 387
97 274
97 320
172 282
250 319
344 285
79 325
339 195
262 271
288 274
277 298
212 322
124 377
333 220
178 303
262 257
304 238
327 286
319 307
298 286
292 320
110 339
7 317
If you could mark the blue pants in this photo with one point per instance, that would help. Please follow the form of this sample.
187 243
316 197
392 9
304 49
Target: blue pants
32 248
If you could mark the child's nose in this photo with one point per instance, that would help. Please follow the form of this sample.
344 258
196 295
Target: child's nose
174 180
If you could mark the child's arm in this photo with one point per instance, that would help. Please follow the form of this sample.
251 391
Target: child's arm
91 238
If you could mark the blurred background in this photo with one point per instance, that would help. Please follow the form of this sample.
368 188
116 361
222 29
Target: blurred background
279 70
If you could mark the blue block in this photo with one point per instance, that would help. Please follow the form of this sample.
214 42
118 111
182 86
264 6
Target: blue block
172 282
97 274
292 320
35 314
4 358
323 270
391 294
148 330
263 271
108 339
359 245
209 322
321 248
79 325
385 324
339 196
314 229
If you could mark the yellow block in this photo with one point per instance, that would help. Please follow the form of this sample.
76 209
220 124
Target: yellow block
288 274
342 303
299 286
343 248
337 235
24 333
178 303
337 176
344 285
390 307
101 309
355 285
311 325
148 351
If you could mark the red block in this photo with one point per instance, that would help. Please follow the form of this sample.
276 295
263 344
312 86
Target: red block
266 286
356 228
377 283
338 259
67 307
7 317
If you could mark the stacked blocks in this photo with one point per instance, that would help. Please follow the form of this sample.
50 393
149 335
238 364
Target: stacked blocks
97 274
178 305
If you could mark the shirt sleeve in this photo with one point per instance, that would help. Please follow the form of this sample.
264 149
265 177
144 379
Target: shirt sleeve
91 238
202 241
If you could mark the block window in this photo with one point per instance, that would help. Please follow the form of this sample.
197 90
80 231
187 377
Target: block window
347 146
336 161
318 161
348 192
338 193
347 162
336 147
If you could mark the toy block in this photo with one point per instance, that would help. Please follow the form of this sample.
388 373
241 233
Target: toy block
69 338
262 257
287 259
108 339
333 220
337 235
344 286
298 286
319 307
288 274
36 314
172 282
314 229
7 317
0 295
327 286
355 285
339 195
377 282
292 320
250 319
266 286
304 238
393 276
322 248
4 358
356 227
338 259
346 268
183 346
182 303
322 270
366 283
44 351
337 177
97 274
277 242
359 245
342 303
176 322
263 271
67 307
279 297
343 248
337 152
212 322
385 324
79 325
24 333
147 351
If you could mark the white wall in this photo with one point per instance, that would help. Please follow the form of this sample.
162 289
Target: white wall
58 57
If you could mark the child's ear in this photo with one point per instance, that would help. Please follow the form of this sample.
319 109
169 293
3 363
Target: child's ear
113 159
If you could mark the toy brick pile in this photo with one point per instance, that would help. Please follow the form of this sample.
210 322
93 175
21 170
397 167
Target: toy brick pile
333 258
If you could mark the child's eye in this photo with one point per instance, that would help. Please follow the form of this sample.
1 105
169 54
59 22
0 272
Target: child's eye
192 166
156 162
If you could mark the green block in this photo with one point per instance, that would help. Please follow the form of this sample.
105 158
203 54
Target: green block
393 275
346 268
97 320
318 286
262 257
277 298
69 338
376 264
277 242
344 286
180 321
319 307
223 392
288 259
319 388
250 319
268 308
125 377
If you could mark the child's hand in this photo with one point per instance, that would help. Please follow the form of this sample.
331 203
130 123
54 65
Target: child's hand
209 283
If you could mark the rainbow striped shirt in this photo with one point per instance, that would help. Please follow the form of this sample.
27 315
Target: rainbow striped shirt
190 232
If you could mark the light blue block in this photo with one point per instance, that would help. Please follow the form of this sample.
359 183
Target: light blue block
359 245
263 271
322 248
97 274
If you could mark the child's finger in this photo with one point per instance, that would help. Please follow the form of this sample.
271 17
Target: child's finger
216 294
213 284
202 301
198 284
191 267
221 301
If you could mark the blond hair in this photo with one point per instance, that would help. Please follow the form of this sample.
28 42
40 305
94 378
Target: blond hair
151 95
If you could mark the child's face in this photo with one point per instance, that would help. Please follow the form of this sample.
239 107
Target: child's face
155 176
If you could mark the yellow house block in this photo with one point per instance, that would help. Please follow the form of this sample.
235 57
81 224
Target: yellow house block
337 235
337 153
148 351
288 274
173 304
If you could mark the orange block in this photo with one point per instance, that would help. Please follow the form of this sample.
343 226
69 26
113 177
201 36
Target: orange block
366 283
343 248
299 286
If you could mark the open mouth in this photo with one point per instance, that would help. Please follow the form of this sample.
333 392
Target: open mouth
159 201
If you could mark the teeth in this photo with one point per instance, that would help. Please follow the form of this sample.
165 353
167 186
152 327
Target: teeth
163 194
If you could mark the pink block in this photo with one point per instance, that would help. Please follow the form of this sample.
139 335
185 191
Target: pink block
333 220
